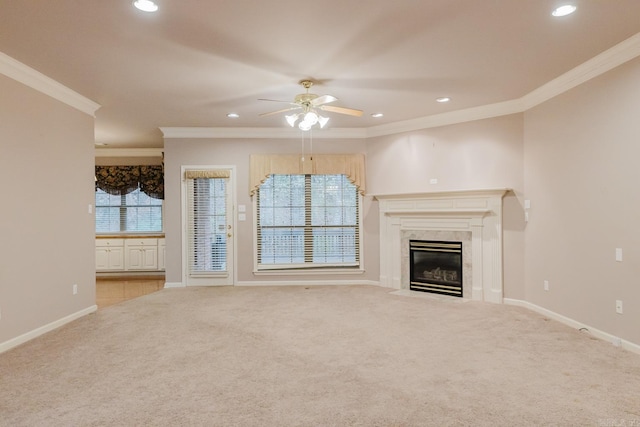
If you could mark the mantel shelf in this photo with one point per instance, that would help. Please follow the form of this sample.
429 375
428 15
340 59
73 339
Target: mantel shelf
444 194
432 212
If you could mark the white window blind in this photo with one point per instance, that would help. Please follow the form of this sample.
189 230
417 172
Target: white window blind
133 212
307 221
206 222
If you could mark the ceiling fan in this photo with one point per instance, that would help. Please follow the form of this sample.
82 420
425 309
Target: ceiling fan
308 104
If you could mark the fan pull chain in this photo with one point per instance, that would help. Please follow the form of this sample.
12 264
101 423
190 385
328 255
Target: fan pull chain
302 145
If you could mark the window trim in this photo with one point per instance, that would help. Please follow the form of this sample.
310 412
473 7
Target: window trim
288 270
218 279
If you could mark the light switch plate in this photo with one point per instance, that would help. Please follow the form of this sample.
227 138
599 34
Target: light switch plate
619 254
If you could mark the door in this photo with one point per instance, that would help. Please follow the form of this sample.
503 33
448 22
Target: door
209 237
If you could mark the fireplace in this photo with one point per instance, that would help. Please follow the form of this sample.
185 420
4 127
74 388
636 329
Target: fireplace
473 217
436 267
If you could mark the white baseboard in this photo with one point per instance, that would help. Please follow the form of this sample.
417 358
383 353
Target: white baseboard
617 341
309 283
14 342
168 285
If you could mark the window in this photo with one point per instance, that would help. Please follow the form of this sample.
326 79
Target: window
133 212
307 221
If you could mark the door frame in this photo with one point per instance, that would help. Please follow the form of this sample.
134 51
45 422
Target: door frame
223 279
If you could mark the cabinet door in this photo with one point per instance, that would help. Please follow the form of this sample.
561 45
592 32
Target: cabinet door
102 258
150 258
135 257
161 255
116 258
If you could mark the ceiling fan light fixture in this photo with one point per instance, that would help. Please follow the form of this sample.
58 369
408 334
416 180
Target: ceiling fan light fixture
146 5
304 126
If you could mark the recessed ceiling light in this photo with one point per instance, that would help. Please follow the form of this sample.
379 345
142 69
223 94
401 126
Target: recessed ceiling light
146 5
233 115
376 115
443 99
564 10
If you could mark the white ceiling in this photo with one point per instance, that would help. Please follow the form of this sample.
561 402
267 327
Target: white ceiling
194 61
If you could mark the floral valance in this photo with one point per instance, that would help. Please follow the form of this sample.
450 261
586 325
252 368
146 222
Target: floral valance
263 165
120 180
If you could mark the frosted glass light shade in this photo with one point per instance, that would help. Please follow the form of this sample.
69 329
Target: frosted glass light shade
291 119
311 118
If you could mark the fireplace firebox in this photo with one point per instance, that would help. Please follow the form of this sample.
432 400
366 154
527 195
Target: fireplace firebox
436 267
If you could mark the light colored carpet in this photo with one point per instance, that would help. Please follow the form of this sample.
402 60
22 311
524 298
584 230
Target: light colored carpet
317 356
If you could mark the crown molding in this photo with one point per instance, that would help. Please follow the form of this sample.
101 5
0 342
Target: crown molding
258 133
600 64
129 152
451 118
34 79
596 66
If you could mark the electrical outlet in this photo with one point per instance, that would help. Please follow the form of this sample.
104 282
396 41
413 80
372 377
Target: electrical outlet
546 285
75 289
619 306
433 181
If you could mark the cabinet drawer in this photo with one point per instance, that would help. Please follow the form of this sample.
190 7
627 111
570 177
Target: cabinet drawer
141 242
109 242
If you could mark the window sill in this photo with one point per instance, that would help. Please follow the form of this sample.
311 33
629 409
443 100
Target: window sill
308 272
132 235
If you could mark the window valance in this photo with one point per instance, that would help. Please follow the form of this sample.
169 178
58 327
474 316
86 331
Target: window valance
207 173
263 165
121 180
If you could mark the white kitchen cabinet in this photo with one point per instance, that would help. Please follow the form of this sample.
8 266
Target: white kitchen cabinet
130 254
141 254
109 254
161 254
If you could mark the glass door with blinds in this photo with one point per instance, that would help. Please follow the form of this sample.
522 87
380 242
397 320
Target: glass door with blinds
209 227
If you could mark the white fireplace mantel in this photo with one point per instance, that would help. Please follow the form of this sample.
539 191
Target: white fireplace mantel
478 212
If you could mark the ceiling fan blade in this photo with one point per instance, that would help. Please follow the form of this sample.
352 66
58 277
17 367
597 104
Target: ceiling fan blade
324 99
275 100
278 112
341 110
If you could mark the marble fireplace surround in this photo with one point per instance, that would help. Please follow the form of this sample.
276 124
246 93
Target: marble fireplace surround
473 217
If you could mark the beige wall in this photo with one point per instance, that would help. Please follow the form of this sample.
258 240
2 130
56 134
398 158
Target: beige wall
47 234
182 152
481 154
582 176
128 161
